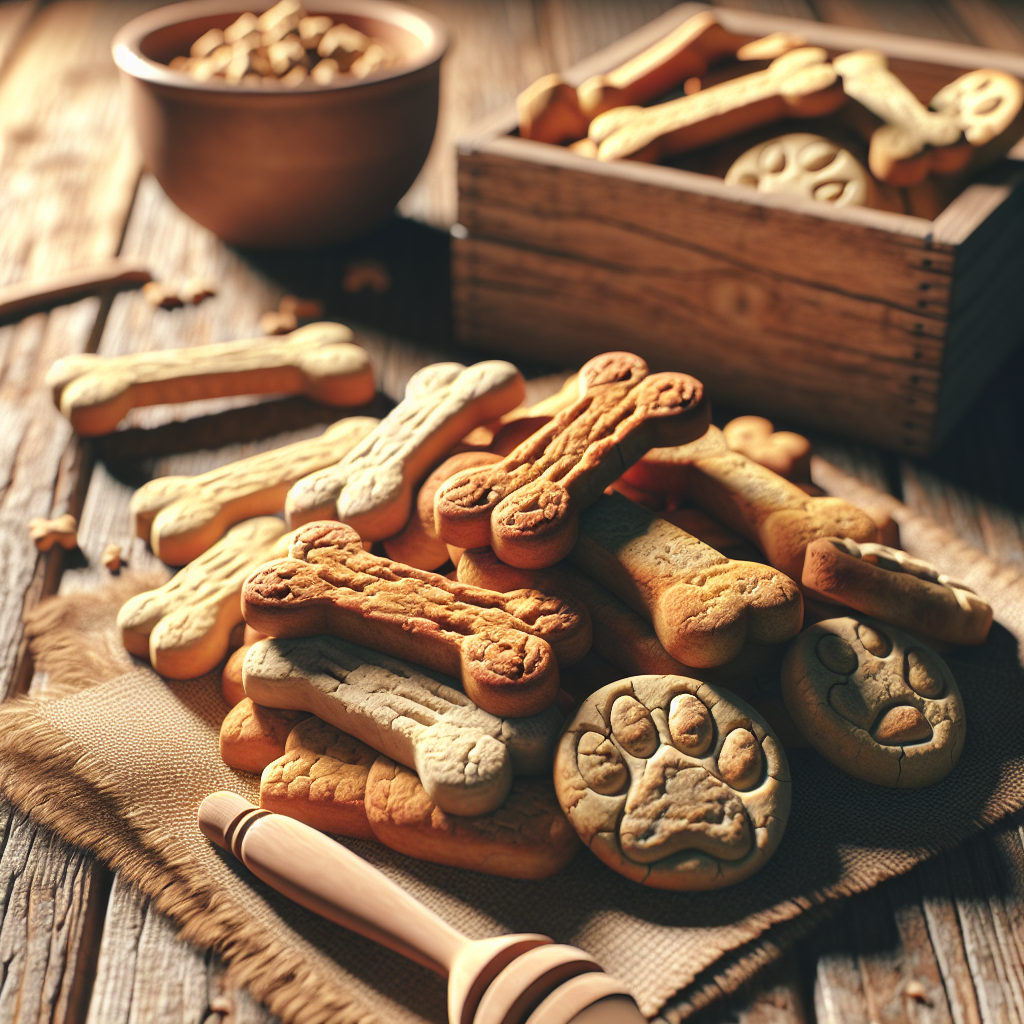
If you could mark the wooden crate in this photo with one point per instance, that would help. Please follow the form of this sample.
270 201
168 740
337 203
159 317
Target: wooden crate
875 325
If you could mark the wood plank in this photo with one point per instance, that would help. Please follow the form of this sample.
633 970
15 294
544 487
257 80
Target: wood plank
50 893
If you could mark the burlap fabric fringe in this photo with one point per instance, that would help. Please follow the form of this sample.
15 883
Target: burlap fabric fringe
121 766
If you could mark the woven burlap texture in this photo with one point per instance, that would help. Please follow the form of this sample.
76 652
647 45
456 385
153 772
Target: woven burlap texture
121 767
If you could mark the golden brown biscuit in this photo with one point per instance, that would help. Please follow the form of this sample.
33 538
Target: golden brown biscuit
877 703
781 451
527 506
527 837
251 736
184 627
320 779
372 488
231 687
757 503
182 516
63 531
894 587
95 392
673 783
800 83
418 544
502 647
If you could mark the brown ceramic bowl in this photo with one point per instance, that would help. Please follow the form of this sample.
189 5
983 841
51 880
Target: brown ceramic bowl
281 167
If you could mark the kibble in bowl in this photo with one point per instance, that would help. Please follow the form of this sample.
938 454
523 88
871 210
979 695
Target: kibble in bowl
284 126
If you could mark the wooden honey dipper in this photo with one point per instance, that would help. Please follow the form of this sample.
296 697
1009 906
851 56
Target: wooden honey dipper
511 979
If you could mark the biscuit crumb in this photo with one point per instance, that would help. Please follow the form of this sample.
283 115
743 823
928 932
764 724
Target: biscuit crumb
47 532
276 322
111 558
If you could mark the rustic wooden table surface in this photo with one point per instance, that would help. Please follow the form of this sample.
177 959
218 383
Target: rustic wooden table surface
944 944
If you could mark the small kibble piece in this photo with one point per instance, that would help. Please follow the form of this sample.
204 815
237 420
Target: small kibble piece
372 59
195 289
279 20
285 54
343 44
161 294
325 71
312 29
874 701
111 558
781 451
207 43
276 322
241 28
295 77
47 532
673 783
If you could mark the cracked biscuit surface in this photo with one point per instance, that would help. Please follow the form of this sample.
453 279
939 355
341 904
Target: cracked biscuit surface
876 702
673 783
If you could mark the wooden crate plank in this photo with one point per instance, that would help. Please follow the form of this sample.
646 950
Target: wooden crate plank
49 892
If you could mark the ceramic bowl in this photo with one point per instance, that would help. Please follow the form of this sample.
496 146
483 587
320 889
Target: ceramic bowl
277 167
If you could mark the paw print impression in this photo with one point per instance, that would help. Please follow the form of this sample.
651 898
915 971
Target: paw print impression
875 701
673 783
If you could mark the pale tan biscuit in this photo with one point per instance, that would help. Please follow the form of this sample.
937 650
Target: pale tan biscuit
781 451
527 506
182 516
800 83
894 587
111 558
704 606
761 505
371 489
94 392
418 544
527 837
320 779
673 783
802 164
184 628
877 703
252 736
502 648
989 107
63 531
464 756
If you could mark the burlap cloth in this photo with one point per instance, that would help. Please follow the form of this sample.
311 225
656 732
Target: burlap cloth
121 766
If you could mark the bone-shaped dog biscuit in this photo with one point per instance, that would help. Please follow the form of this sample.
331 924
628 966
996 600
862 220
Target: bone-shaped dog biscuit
987 105
758 504
894 587
418 544
501 646
673 783
371 489
184 627
95 392
704 606
914 140
781 451
800 83
464 757
877 703
806 165
527 506
182 516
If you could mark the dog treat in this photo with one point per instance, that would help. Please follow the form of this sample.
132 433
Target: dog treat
94 392
713 533
527 837
757 503
805 165
527 506
174 295
252 736
111 558
501 646
980 110
464 757
231 687
320 779
63 530
371 489
781 451
673 783
800 83
418 544
184 627
516 426
182 516
896 588
704 606
276 322
551 111
877 703
28 296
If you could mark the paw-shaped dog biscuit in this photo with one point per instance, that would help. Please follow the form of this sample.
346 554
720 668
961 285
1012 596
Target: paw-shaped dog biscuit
877 703
673 783
527 506
890 585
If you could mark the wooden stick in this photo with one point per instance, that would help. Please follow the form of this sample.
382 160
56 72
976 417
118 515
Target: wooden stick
30 296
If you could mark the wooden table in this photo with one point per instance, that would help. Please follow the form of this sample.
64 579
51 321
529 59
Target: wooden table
945 943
